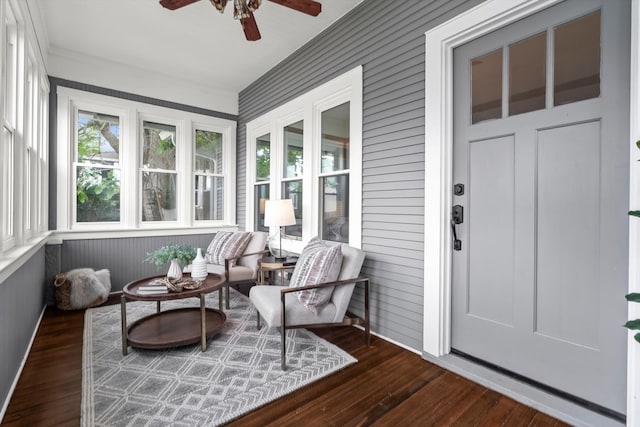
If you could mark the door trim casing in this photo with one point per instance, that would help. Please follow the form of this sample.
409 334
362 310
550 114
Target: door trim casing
439 45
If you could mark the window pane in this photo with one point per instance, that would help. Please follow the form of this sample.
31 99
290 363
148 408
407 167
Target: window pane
335 139
158 196
97 194
98 138
577 60
486 87
335 208
9 66
293 190
208 152
261 196
263 157
293 150
159 149
209 198
527 74
7 183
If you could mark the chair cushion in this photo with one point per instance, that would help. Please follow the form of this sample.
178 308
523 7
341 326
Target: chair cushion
266 300
318 263
227 244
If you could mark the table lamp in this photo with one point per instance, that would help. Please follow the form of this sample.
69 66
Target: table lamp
279 213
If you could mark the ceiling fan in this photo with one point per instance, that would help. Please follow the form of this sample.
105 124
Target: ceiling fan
243 10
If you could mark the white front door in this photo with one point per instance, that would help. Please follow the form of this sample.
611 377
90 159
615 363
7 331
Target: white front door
540 150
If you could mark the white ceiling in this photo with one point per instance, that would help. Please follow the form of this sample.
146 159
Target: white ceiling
195 43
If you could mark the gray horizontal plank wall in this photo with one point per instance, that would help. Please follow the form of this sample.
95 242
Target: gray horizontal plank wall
21 303
123 257
387 39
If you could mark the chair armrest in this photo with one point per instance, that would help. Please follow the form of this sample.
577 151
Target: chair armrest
325 285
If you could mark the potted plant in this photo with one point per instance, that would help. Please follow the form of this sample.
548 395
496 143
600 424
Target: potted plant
178 255
634 325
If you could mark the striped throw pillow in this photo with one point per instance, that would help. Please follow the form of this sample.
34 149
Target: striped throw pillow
318 263
227 244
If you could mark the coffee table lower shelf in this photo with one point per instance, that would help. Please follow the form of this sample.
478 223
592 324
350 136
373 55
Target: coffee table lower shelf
173 328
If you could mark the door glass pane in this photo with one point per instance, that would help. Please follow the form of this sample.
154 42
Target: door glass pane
335 139
527 74
335 208
293 190
159 149
293 150
208 152
261 196
577 60
486 87
263 157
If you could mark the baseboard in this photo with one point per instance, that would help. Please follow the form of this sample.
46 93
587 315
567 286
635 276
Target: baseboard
526 394
5 405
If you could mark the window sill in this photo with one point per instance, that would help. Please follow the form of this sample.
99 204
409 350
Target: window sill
16 257
57 237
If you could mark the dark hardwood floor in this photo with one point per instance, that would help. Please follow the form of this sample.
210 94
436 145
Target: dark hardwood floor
389 386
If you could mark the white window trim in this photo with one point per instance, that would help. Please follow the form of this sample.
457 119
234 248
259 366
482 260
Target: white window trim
308 107
132 114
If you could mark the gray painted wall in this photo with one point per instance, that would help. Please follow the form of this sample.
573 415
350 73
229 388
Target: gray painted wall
21 302
124 258
388 41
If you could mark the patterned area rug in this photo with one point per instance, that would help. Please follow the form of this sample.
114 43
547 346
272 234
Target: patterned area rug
184 386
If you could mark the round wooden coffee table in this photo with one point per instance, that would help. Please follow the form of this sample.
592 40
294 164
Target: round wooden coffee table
172 328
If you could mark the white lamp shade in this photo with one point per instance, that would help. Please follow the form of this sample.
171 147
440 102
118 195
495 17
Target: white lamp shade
278 213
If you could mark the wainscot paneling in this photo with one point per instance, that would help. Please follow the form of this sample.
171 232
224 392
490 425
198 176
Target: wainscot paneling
21 303
123 257
388 41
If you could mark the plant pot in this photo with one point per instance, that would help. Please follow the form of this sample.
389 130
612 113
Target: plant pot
175 271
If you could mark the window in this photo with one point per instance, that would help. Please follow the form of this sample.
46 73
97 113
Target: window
97 167
261 185
9 125
334 174
310 151
137 166
292 174
209 176
159 174
24 97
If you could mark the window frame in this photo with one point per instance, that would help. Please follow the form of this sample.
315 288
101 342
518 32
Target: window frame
309 107
132 115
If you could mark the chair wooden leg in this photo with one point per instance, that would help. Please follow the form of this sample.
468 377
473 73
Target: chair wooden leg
258 319
227 296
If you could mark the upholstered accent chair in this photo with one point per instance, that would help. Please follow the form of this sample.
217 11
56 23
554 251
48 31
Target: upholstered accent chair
240 268
280 306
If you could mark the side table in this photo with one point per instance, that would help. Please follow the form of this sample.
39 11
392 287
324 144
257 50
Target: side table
269 266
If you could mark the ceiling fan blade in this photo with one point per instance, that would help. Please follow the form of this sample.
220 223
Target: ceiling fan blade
309 7
250 28
176 4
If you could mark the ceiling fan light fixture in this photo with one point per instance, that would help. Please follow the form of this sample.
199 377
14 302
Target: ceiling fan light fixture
219 4
242 9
